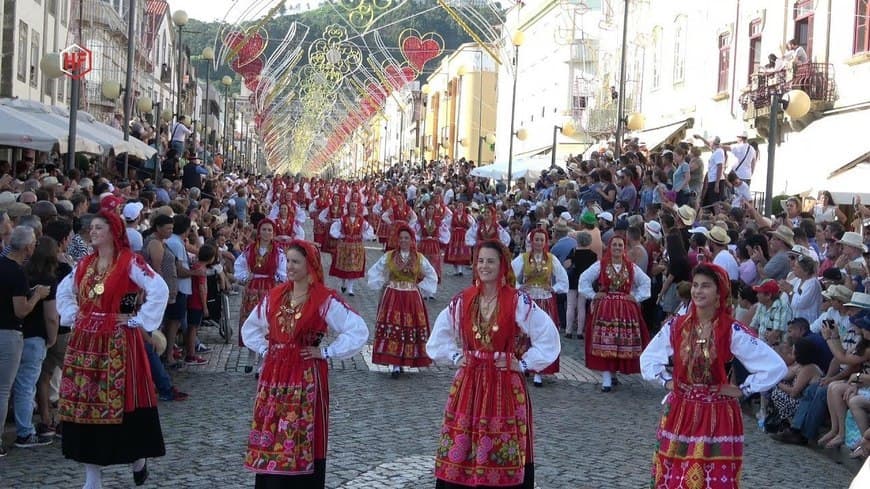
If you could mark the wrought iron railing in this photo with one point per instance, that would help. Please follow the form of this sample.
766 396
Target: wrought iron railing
816 79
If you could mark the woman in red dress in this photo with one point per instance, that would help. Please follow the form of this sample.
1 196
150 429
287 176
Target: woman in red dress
318 205
487 228
288 441
349 260
400 215
402 325
328 217
540 274
700 437
108 402
616 333
458 253
381 208
432 232
260 267
487 439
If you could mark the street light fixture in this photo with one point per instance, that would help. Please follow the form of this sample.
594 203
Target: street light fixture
179 18
566 129
208 56
517 40
796 104
488 139
426 89
51 68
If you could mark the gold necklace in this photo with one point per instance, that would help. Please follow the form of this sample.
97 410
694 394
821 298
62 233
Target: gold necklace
484 325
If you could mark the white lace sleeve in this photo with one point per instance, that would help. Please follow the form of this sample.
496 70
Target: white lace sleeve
351 329
429 285
65 299
376 276
256 327
641 286
150 314
587 278
560 284
654 359
443 344
766 368
544 335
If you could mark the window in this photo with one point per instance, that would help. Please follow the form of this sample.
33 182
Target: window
803 25
22 51
754 47
657 58
724 62
681 32
862 27
34 59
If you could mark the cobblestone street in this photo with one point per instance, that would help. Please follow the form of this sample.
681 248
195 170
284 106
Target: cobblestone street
383 432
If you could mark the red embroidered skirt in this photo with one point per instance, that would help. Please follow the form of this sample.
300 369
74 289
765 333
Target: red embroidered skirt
383 231
321 231
255 291
699 441
349 260
290 428
616 334
457 252
401 330
486 438
108 402
431 249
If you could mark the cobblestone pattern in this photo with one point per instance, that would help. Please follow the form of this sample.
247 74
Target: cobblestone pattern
383 432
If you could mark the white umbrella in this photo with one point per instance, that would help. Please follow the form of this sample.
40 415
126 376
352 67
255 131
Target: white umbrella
34 128
137 148
41 116
18 133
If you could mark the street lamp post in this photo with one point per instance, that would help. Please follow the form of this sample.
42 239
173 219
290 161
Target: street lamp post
179 18
51 68
208 56
128 95
796 104
425 89
227 81
517 41
620 110
568 130
233 129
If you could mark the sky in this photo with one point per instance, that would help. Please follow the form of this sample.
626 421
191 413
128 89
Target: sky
204 10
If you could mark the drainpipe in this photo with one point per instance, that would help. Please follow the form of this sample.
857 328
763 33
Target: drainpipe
734 42
828 36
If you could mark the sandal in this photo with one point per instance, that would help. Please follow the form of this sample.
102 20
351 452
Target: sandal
835 442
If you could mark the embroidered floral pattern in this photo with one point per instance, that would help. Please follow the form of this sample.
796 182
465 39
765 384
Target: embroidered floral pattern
94 377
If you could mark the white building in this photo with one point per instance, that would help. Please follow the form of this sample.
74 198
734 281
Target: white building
700 65
32 28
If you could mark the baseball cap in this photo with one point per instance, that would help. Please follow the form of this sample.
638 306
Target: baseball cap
132 211
769 287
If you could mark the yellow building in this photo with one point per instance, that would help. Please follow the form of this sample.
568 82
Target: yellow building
459 107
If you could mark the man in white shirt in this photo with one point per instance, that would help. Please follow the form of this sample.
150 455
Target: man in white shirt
715 171
179 134
718 240
836 296
741 190
448 194
132 216
411 193
745 157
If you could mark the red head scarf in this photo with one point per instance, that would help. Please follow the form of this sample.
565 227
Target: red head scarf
723 320
117 228
409 230
607 259
506 289
271 264
543 233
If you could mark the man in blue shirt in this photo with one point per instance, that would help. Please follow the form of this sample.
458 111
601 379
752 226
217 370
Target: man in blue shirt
561 249
822 356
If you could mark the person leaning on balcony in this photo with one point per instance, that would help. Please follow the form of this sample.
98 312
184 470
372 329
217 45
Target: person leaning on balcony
796 54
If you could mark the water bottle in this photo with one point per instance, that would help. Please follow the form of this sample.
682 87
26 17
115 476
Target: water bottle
761 416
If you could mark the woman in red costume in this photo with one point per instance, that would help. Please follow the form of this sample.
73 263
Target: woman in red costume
260 267
616 333
107 401
328 217
487 228
321 229
700 437
432 232
487 438
458 253
400 215
288 221
402 325
386 204
349 260
540 274
288 441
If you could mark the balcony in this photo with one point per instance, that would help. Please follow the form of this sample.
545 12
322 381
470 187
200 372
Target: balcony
816 79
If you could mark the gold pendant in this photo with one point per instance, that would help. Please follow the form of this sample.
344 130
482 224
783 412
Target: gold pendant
297 315
495 329
99 289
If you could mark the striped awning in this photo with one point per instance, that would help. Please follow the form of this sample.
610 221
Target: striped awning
156 7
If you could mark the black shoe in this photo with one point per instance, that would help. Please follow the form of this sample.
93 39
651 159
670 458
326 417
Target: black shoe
249 369
538 383
343 290
569 336
789 437
3 451
615 381
350 294
606 388
395 374
141 476
33 440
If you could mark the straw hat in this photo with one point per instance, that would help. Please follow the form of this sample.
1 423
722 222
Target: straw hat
838 292
686 214
654 229
785 234
158 341
854 240
859 299
719 236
